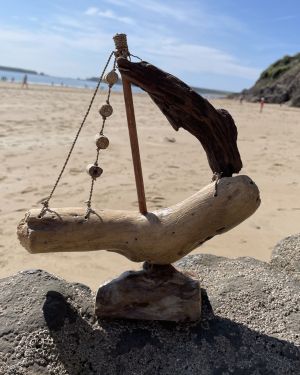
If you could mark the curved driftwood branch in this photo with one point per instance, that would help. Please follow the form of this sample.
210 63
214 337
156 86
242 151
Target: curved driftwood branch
183 107
161 237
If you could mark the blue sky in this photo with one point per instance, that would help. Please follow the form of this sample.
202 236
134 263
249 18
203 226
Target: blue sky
221 44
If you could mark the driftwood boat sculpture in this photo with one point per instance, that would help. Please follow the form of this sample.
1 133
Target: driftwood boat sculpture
160 237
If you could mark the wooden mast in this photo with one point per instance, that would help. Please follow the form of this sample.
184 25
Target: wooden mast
122 50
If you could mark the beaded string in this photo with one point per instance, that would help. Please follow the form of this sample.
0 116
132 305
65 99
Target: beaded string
105 111
45 203
101 140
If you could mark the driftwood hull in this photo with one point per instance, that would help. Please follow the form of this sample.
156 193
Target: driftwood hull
160 237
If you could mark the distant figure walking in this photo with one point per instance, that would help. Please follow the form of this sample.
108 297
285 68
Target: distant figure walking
262 102
24 82
241 99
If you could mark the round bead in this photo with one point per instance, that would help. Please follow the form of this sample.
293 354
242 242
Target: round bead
106 110
111 78
94 171
102 142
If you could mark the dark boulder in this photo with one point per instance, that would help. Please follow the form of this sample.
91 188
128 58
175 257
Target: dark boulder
286 256
250 325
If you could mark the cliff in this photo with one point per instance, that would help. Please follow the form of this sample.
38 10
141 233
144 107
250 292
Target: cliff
279 83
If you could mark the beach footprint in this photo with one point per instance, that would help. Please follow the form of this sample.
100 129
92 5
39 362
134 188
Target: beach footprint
153 176
173 166
75 171
157 201
29 189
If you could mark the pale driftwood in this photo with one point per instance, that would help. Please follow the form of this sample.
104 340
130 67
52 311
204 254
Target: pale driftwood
161 237
158 292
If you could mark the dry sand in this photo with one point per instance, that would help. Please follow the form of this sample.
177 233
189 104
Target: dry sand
37 127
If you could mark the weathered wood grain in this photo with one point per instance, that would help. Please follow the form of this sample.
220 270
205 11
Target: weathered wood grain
183 107
154 293
161 237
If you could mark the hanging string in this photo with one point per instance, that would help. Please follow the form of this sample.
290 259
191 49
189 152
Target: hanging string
89 209
45 203
121 50
131 55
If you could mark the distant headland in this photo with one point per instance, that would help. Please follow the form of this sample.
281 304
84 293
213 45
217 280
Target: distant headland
279 83
199 90
18 70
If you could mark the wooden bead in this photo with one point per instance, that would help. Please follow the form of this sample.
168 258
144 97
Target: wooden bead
111 78
102 142
94 171
106 110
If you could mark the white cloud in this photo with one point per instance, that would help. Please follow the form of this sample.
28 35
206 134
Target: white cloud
154 7
111 15
53 52
178 57
162 9
91 11
286 18
193 13
67 46
68 21
197 59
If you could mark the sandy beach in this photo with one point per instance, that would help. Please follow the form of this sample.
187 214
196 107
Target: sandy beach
37 127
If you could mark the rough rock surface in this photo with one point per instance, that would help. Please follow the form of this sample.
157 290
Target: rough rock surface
279 83
250 325
286 255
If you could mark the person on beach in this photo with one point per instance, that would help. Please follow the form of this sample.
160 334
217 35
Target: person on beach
241 99
262 102
24 82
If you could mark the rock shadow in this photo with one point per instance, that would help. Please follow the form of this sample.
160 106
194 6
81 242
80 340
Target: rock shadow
216 345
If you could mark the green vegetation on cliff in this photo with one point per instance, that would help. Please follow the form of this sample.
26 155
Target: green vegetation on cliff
279 83
279 67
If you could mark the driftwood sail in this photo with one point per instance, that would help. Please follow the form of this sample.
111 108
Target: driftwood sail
183 107
163 236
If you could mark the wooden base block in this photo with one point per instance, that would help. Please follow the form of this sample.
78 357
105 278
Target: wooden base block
158 292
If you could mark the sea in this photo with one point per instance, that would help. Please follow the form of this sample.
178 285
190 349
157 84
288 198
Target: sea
41 79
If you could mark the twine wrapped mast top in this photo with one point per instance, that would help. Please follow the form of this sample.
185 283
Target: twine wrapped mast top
121 45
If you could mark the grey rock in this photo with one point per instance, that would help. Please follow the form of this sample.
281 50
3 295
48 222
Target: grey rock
286 255
295 101
279 83
250 325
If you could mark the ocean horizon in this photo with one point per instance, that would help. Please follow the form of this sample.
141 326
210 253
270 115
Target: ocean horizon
43 79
